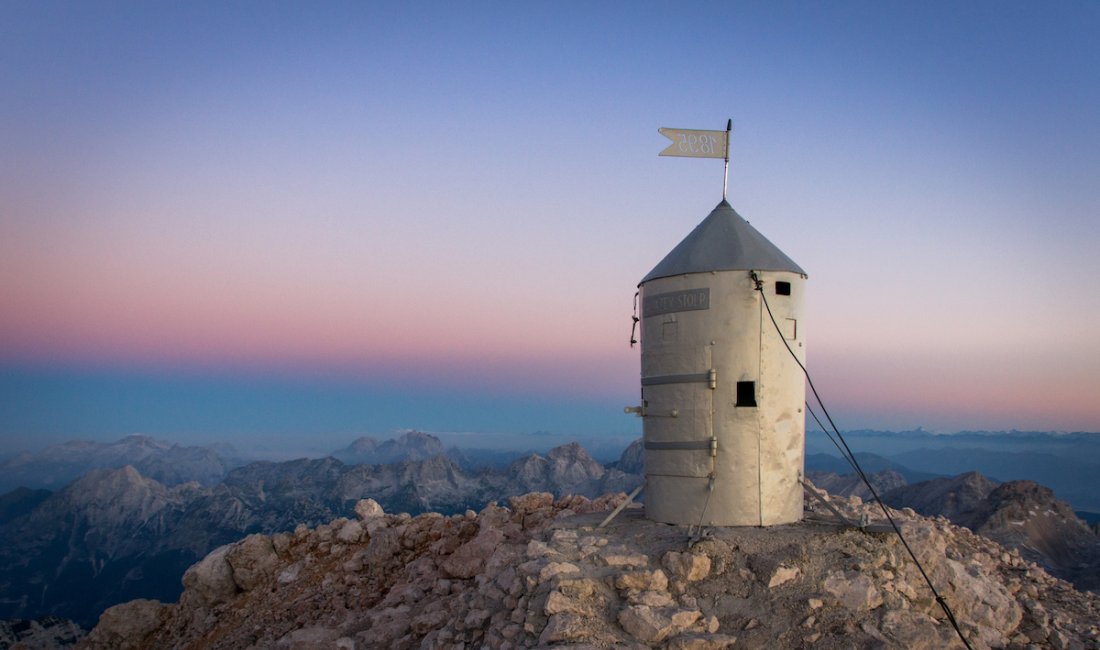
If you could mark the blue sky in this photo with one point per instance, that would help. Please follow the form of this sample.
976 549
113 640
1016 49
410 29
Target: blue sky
220 220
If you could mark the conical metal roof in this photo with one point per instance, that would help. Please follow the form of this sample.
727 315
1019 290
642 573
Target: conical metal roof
723 242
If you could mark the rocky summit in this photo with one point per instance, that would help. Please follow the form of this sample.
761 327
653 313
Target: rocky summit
1019 514
541 572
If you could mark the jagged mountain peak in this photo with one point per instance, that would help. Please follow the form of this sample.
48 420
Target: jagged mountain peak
571 450
1028 516
413 445
417 437
1022 493
114 498
410 445
567 469
111 484
1027 500
947 496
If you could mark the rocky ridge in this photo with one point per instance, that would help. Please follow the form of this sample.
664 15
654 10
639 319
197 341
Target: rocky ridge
541 572
1021 515
950 496
115 535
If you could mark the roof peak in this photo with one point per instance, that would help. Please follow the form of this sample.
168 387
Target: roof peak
723 241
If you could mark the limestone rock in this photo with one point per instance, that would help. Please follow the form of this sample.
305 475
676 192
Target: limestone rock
855 591
651 625
642 580
531 502
639 560
555 569
368 509
125 626
690 567
210 580
350 533
916 630
252 560
576 596
782 575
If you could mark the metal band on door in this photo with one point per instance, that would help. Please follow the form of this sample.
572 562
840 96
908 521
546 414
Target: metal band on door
709 444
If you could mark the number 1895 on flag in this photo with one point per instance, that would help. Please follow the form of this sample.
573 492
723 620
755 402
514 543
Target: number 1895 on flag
694 143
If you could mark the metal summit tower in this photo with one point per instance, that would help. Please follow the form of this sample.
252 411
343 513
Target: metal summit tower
722 399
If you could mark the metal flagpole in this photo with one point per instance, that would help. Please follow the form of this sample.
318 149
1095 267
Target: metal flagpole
726 172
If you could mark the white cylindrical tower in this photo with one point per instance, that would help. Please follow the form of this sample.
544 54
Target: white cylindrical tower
722 399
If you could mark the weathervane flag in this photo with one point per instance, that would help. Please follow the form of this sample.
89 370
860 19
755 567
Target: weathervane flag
694 143
697 143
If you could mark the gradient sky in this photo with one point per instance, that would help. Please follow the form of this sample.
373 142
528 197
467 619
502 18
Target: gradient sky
316 219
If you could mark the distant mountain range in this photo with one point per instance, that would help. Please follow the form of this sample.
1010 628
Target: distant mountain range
1068 463
58 465
117 533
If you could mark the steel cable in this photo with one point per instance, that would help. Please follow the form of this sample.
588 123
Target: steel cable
855 464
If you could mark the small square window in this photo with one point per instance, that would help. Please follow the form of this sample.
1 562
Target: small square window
746 393
782 288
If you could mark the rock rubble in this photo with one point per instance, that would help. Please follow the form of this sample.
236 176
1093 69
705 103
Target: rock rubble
540 572
44 633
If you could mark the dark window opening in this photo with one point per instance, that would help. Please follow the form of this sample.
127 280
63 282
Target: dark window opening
782 288
746 393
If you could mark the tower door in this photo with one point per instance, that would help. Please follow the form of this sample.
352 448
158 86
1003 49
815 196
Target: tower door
678 412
